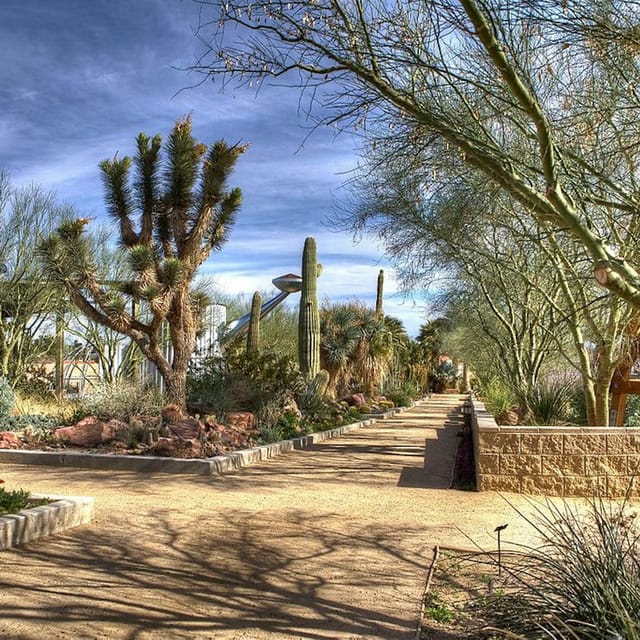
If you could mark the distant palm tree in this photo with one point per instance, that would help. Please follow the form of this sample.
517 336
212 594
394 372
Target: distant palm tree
356 348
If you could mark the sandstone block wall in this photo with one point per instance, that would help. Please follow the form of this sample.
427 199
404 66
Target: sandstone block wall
555 461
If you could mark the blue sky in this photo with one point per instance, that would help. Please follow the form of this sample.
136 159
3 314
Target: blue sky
80 79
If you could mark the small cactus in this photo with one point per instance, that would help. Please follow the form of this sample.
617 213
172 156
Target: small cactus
309 318
253 336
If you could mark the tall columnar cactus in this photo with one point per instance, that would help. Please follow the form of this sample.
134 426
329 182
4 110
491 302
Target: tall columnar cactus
379 293
253 336
309 318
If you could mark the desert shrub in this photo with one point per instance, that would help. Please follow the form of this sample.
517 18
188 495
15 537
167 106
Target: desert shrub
551 401
119 400
7 398
36 424
37 384
286 427
13 501
322 414
584 580
498 398
263 383
402 396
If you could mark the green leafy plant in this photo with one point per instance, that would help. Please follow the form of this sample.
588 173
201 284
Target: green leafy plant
38 426
436 609
402 396
14 501
498 398
632 411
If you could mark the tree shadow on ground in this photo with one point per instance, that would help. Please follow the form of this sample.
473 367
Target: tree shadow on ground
238 573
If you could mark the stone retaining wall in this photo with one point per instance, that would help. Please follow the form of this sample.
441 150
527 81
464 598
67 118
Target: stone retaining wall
555 461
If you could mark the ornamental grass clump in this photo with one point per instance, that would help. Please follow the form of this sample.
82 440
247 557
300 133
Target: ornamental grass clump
550 401
583 581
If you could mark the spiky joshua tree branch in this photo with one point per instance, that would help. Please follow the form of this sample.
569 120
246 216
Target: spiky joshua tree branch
171 215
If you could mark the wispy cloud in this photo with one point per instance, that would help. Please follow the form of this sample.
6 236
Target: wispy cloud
80 80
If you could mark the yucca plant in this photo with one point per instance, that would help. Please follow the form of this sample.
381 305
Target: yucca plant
550 401
583 581
173 207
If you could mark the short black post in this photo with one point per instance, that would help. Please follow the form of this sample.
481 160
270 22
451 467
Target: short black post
499 530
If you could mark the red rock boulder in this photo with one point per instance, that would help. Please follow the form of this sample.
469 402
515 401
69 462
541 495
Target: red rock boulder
356 400
90 432
9 440
176 448
243 420
186 429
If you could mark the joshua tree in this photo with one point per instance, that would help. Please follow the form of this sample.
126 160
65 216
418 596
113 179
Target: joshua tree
184 212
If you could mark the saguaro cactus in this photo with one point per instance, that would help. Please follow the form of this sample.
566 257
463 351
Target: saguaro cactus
379 293
253 336
309 318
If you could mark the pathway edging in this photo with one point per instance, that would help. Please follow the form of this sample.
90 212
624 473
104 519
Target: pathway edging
38 522
155 464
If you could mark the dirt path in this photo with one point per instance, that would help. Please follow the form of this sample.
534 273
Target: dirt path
330 542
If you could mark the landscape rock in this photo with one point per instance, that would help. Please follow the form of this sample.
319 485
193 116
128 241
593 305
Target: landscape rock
176 448
243 420
186 429
9 440
356 400
90 432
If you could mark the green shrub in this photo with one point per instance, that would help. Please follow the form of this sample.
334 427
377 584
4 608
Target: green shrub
121 401
498 398
13 501
37 424
632 411
402 396
263 383
7 398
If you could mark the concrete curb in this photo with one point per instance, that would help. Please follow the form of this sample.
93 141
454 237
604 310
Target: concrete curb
30 524
152 464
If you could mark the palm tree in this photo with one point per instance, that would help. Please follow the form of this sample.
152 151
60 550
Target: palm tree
356 347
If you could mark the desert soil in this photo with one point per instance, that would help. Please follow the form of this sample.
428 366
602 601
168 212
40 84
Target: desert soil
330 542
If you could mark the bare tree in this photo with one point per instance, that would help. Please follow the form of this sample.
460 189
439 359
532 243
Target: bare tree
28 305
542 98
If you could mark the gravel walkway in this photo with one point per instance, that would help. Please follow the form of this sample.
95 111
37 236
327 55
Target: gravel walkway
330 542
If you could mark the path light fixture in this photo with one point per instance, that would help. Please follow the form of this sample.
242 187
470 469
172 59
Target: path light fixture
499 530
